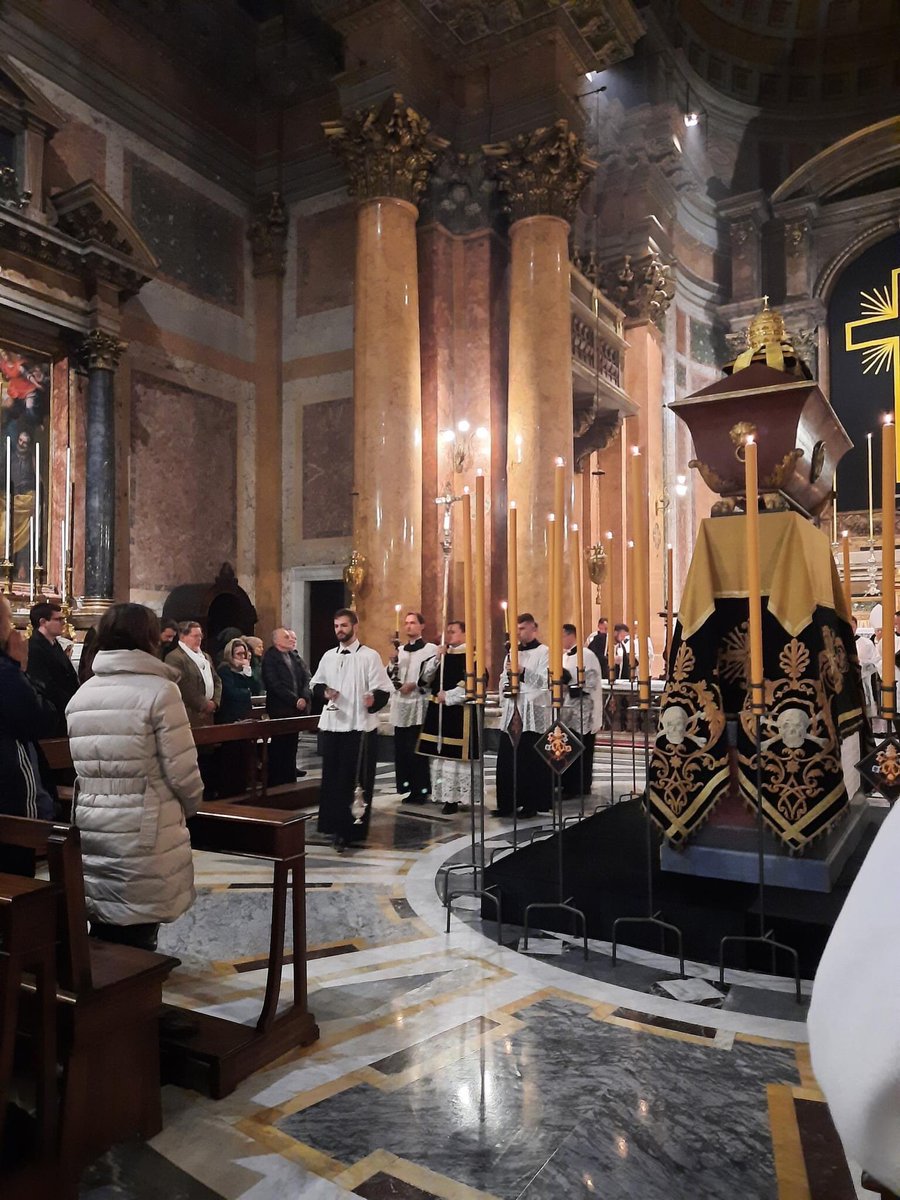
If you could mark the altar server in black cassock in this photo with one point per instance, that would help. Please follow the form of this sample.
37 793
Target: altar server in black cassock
449 736
408 705
534 780
352 681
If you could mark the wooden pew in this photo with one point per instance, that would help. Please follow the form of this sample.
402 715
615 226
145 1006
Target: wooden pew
108 1001
213 1054
28 944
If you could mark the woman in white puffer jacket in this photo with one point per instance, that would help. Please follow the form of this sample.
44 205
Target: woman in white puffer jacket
136 762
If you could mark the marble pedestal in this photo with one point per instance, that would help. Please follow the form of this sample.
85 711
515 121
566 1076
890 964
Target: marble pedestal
726 851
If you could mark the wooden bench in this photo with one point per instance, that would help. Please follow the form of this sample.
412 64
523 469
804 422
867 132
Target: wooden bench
108 1001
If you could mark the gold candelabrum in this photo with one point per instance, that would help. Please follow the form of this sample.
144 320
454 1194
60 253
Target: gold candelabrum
6 573
596 565
355 575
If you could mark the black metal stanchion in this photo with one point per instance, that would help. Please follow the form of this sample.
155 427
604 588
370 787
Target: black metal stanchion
477 864
653 915
563 903
765 936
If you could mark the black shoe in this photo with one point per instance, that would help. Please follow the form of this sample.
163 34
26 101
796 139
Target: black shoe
495 812
449 809
340 844
302 774
414 800
527 813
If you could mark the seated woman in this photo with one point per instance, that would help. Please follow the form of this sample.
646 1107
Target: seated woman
138 782
237 683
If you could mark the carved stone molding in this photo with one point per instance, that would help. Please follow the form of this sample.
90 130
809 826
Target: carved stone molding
595 431
542 173
741 233
795 234
268 235
100 351
642 289
388 150
461 193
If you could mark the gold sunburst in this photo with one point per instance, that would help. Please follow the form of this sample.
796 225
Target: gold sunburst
876 335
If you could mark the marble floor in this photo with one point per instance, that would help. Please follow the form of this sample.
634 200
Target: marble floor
452 1067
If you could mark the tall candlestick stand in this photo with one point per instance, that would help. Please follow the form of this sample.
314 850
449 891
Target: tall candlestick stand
553 745
6 574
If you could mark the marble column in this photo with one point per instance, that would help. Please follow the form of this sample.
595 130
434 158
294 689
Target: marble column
388 151
267 235
542 175
100 353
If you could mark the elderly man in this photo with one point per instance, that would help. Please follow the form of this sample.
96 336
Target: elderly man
286 679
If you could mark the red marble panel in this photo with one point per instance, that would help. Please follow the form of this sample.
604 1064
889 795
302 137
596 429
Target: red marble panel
183 484
328 469
326 255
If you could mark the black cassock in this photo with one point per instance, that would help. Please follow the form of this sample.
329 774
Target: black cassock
448 730
347 758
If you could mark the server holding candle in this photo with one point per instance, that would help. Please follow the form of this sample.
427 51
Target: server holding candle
408 703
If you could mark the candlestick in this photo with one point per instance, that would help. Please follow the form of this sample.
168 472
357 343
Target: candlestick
397 608
481 615
641 577
871 509
37 502
468 614
554 640
834 509
68 507
754 591
848 583
577 601
628 615
670 600
888 599
8 502
512 590
611 620
62 562
31 557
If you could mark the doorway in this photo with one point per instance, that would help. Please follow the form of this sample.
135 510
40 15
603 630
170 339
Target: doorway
326 596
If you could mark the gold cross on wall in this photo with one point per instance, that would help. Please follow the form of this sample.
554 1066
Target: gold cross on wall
877 335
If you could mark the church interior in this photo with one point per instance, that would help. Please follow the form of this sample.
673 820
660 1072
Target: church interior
289 289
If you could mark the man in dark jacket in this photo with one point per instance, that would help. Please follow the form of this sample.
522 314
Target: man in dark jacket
286 678
48 664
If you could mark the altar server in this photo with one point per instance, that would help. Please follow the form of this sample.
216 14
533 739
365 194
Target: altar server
449 737
582 711
352 680
408 704
530 714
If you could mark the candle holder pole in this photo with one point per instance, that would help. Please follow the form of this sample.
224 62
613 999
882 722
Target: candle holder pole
652 917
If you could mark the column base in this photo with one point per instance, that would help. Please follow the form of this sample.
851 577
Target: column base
94 606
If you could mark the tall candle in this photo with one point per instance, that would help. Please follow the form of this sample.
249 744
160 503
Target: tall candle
468 604
871 494
481 616
31 557
554 640
611 619
888 601
641 576
848 582
628 617
512 591
670 600
397 608
577 597
62 561
834 509
8 502
37 502
68 519
754 592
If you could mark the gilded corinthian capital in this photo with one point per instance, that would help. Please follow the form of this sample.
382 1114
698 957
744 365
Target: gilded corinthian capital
268 235
388 150
542 173
100 351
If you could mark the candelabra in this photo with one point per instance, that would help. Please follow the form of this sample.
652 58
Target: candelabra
597 563
355 575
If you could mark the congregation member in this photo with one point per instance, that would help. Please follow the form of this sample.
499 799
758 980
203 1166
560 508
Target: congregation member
168 637
138 782
449 737
597 644
237 683
48 664
408 704
286 681
529 716
353 684
582 711
200 686
256 648
86 658
25 717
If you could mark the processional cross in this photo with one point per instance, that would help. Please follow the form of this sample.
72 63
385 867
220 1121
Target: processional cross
877 335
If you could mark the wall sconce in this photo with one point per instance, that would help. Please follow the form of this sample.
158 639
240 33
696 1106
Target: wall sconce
679 487
462 443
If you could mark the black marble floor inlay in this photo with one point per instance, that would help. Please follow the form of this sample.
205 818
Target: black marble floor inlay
389 1187
135 1171
402 907
629 1014
458 1038
567 1098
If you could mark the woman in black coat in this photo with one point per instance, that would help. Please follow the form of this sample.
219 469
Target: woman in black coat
25 716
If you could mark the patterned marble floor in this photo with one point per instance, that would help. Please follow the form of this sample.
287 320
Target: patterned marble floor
451 1068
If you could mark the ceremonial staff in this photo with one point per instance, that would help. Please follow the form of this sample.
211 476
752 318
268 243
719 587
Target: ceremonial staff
448 500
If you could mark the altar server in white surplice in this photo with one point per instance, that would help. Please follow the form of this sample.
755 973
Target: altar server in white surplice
854 1017
582 711
532 716
353 684
408 704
